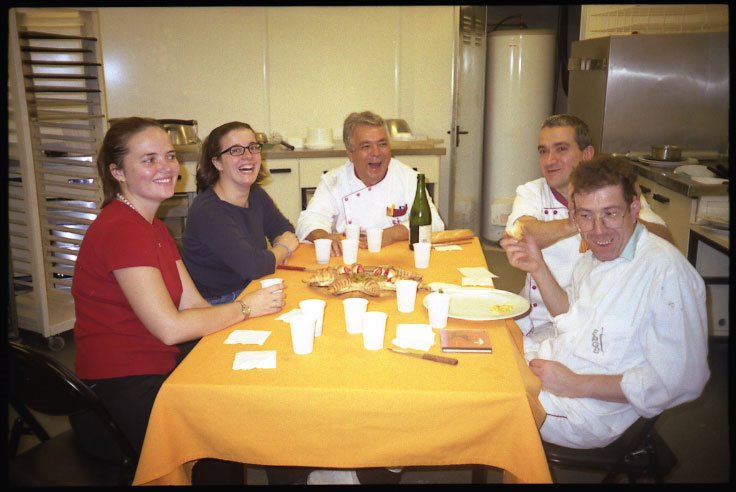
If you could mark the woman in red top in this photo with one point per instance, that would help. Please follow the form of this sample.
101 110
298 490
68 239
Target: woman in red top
134 299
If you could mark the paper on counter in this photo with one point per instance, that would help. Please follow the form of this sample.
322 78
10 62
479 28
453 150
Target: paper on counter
286 317
256 337
414 336
260 359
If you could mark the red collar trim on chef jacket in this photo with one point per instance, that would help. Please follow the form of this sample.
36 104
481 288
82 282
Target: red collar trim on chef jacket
559 196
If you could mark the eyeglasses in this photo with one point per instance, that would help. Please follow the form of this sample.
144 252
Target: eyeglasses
238 150
613 219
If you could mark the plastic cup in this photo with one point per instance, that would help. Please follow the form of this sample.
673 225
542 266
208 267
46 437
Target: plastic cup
438 306
406 295
271 281
349 251
354 308
374 329
375 236
302 333
352 231
316 308
322 250
421 254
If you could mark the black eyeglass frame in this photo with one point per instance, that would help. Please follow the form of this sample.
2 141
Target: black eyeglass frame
254 148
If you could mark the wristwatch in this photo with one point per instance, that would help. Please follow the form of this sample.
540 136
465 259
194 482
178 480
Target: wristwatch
244 308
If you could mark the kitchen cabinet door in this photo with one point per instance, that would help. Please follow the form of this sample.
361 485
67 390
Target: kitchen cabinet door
283 187
677 210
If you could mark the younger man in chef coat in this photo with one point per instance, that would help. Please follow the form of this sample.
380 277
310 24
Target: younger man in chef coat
630 332
371 189
541 206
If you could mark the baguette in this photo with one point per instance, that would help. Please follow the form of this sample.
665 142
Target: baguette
452 236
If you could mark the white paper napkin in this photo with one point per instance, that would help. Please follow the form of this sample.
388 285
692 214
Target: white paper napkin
414 336
448 247
256 337
477 272
477 282
286 317
260 359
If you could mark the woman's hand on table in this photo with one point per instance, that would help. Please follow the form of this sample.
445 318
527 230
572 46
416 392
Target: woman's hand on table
266 301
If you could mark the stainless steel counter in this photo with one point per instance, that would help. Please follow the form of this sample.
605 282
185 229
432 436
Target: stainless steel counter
679 183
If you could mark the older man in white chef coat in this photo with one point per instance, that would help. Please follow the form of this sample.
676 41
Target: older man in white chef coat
541 206
630 333
371 189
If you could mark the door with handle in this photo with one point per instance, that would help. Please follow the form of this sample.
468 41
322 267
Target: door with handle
466 152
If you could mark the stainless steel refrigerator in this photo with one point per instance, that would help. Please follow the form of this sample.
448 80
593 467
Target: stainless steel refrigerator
640 90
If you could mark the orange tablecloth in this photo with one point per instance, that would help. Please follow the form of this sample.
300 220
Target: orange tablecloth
344 406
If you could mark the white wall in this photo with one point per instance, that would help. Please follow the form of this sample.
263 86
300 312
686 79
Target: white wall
281 69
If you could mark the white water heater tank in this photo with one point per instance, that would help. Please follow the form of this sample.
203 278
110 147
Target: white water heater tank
520 73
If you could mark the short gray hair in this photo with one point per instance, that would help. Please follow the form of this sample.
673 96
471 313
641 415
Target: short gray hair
366 118
582 132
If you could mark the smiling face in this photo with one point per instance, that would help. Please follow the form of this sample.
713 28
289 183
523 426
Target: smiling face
239 170
607 243
559 154
371 153
149 169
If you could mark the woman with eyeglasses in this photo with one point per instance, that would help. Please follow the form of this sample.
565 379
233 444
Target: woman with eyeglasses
224 244
134 300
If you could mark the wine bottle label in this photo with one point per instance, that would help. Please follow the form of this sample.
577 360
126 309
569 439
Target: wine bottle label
425 234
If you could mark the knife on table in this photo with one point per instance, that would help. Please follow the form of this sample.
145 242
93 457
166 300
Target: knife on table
433 358
296 268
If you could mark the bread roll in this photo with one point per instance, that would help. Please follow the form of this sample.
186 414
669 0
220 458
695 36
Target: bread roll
516 231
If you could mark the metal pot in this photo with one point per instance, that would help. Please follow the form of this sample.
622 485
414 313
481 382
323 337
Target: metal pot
181 132
666 153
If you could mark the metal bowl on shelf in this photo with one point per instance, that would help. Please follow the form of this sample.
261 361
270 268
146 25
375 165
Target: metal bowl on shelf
666 153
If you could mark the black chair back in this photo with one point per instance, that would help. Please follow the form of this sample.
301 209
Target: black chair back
40 383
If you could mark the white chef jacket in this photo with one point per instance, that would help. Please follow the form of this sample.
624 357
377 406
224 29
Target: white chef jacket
642 315
342 198
536 199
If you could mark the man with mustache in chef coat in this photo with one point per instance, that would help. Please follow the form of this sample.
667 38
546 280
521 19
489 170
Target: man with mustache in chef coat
541 206
630 332
371 189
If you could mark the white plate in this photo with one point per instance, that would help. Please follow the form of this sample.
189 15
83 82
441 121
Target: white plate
647 159
708 181
319 146
694 170
476 304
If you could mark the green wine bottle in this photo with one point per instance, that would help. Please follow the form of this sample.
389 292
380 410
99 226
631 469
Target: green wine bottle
420 217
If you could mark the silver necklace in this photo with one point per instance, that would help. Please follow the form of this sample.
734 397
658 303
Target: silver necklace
122 198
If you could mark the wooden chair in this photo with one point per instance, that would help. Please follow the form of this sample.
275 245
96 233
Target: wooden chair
40 383
639 452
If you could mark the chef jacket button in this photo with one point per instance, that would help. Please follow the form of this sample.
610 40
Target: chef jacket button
346 199
555 212
358 194
535 304
546 212
350 222
534 287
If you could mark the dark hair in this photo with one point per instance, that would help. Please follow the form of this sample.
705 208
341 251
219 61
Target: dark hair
207 173
114 148
366 118
605 170
582 132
